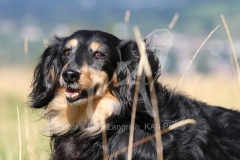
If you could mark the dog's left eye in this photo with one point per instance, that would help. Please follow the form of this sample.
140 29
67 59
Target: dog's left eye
99 55
66 52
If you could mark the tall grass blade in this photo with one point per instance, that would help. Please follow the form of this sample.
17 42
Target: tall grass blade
232 47
196 55
19 136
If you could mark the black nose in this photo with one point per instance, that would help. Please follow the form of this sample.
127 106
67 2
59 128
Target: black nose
70 76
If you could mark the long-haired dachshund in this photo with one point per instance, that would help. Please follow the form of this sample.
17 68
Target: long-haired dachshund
90 77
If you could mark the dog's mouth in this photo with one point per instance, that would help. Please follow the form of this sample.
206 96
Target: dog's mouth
78 95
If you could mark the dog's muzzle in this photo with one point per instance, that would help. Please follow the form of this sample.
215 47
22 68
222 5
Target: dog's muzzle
70 76
74 93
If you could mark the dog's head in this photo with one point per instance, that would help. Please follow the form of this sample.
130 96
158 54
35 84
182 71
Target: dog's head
83 64
87 66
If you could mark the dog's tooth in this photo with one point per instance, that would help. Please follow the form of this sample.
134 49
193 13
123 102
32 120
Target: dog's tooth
74 95
67 95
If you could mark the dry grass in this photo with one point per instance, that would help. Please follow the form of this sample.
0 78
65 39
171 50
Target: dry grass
232 47
145 66
14 88
194 56
214 89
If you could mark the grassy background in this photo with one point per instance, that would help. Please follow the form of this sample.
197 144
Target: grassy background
15 87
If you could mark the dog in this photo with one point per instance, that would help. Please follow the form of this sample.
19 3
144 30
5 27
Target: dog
86 83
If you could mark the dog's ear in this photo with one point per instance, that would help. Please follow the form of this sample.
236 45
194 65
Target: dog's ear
46 76
127 67
129 50
130 57
127 75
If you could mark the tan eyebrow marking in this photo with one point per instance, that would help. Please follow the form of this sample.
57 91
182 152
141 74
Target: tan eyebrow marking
94 46
73 43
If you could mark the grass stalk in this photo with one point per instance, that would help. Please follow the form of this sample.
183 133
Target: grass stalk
200 47
26 51
174 20
126 20
134 107
232 47
148 138
19 135
104 138
144 64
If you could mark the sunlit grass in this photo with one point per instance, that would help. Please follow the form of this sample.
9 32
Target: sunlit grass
219 90
14 89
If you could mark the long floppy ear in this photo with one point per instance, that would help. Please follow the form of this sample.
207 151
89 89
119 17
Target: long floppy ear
130 60
46 76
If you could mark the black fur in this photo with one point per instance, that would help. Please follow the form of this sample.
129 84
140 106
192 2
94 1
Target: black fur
216 135
44 83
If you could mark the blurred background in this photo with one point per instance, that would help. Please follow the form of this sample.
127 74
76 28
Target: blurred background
27 26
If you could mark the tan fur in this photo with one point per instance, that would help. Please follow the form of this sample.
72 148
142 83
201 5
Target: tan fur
94 46
90 78
115 79
63 117
87 114
52 75
73 43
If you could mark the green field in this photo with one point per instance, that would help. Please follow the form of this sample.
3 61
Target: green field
14 90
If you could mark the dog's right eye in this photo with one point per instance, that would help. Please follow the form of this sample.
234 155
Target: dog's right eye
67 52
99 55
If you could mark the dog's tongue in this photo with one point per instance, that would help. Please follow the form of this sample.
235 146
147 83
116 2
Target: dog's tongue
72 93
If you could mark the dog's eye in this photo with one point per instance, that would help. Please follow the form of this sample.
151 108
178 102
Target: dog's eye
67 52
99 55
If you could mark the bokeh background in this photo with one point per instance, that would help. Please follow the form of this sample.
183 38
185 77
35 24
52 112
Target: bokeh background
27 26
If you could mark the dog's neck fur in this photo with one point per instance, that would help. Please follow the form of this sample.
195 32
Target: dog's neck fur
87 116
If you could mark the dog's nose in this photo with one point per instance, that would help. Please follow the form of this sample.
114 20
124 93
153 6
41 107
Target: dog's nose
70 76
